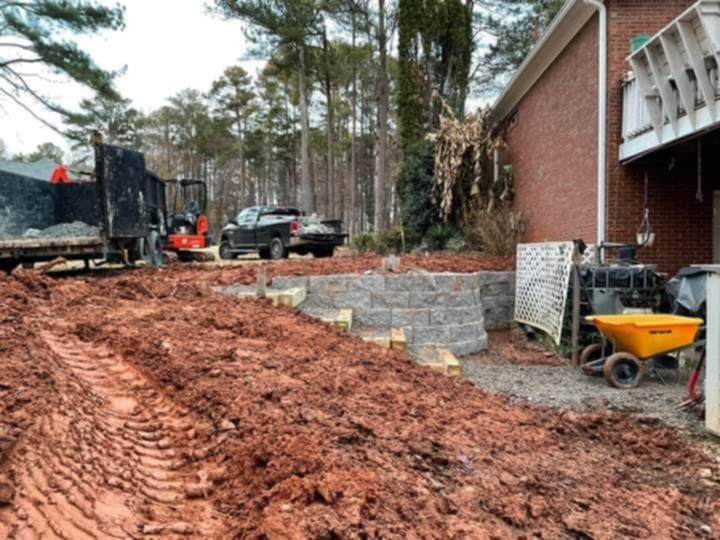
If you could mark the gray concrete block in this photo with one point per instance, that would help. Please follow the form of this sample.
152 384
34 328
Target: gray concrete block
410 282
467 332
409 333
319 299
394 299
361 282
443 299
496 289
464 348
487 278
329 283
288 282
461 315
498 311
447 282
410 317
352 300
469 281
375 318
432 334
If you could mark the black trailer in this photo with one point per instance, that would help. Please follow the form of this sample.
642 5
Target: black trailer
123 209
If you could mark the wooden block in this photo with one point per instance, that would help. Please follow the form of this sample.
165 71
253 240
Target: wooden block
292 297
452 366
436 366
382 341
398 341
343 319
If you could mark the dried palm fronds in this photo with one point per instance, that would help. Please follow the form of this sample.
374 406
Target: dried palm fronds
465 147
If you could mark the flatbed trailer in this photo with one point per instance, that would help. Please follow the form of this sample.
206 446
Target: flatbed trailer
125 204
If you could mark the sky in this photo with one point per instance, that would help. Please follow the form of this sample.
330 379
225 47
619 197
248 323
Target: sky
167 46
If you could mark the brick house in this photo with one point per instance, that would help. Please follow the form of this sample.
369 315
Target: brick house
657 135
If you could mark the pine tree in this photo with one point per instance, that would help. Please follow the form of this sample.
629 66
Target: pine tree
34 33
232 95
513 29
435 51
46 150
290 24
113 117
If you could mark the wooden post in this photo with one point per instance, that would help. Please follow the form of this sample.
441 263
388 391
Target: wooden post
575 338
712 359
261 284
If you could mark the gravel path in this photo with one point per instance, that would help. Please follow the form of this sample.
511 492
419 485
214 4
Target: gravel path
565 387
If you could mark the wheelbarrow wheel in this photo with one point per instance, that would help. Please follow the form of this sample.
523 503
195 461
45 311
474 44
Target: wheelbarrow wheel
591 353
623 370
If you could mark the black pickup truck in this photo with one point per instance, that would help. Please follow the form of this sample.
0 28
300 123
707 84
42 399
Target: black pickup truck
274 232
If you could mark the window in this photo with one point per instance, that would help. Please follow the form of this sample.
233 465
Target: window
249 214
514 119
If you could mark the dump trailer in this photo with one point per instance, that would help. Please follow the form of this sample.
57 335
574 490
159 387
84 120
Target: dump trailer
120 216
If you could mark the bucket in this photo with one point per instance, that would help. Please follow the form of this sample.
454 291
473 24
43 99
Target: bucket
636 42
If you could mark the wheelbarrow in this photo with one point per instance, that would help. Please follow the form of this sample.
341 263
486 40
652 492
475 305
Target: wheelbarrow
634 342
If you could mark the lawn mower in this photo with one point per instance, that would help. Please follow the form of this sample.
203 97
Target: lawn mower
632 343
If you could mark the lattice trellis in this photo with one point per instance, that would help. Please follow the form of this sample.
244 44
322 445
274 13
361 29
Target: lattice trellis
542 280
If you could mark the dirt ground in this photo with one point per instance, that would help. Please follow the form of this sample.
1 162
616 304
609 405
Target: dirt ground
140 403
244 271
523 369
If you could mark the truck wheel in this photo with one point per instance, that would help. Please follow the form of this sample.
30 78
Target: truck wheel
152 250
7 266
225 251
277 249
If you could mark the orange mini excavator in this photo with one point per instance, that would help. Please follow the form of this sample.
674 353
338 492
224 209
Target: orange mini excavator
188 226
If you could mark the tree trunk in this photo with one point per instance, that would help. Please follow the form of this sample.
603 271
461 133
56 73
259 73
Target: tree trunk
306 185
330 188
241 153
381 151
352 215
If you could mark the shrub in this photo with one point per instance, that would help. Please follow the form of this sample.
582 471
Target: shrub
393 239
390 241
415 186
439 235
363 242
456 244
497 232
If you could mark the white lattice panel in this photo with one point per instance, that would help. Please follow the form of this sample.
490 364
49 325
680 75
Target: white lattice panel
542 280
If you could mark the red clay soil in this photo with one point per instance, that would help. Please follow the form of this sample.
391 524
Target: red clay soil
514 347
345 265
188 412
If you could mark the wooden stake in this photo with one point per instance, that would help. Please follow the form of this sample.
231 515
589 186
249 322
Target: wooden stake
574 341
261 285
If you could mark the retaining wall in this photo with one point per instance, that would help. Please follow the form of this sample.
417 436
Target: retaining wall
434 309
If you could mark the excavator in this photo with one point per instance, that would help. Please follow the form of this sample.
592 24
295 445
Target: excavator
188 225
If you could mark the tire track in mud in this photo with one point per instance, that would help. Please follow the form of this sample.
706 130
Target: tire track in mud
106 463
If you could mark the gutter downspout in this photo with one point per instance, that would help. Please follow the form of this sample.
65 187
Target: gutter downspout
602 119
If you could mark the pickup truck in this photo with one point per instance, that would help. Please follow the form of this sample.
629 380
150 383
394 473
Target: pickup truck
274 232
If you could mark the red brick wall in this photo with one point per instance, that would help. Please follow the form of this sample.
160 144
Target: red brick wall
683 225
553 147
553 151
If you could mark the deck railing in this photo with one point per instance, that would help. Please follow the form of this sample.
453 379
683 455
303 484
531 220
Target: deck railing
672 91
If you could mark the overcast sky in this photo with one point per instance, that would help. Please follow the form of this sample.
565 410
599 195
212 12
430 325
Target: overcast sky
168 45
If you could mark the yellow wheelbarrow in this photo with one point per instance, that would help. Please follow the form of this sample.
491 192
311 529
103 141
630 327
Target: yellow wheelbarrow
634 341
